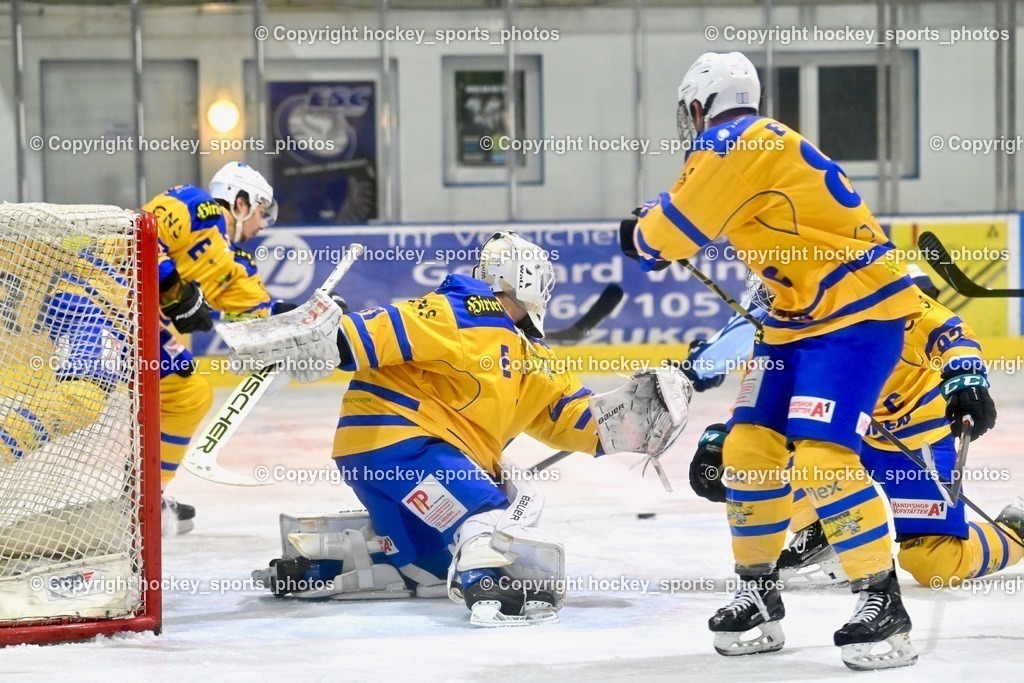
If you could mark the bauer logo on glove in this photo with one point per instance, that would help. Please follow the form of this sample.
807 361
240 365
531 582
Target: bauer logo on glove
646 414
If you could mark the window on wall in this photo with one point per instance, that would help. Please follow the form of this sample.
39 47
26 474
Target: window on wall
91 102
831 99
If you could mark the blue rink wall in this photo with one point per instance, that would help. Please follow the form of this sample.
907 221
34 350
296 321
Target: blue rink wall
660 313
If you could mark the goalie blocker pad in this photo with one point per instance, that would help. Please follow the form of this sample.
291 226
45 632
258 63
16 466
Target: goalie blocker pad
644 415
347 537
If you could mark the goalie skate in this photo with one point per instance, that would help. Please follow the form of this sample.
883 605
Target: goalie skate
756 605
810 562
877 636
492 603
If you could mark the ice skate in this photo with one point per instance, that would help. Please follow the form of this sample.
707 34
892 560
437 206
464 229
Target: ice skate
494 600
877 636
809 561
756 605
175 518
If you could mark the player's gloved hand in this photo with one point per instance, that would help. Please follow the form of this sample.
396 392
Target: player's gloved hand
190 312
706 466
303 341
699 383
966 393
627 228
339 301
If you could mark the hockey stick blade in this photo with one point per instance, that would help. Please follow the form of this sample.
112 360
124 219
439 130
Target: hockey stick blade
201 458
966 427
606 302
939 259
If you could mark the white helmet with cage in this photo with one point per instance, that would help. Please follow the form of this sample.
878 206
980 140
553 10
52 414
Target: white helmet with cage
716 83
520 269
759 294
237 177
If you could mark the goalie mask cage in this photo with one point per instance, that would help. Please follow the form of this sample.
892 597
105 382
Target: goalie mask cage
79 423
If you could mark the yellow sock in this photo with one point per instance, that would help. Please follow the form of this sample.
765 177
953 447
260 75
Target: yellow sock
852 515
936 561
184 402
759 497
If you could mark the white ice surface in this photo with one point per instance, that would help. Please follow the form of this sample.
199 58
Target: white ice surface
606 634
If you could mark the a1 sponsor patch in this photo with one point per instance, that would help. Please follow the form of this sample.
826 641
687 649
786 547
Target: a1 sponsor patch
434 504
918 508
811 408
387 546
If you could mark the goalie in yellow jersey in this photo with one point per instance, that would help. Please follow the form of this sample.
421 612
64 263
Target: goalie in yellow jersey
441 384
201 267
833 336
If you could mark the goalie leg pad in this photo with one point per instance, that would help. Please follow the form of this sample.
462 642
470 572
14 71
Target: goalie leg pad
515 574
329 556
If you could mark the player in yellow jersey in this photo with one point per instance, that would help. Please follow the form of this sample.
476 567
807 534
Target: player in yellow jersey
201 267
937 544
833 337
441 384
68 313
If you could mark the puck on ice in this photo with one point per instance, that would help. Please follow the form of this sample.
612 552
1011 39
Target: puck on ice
645 515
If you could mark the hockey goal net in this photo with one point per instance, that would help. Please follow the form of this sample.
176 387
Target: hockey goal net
79 423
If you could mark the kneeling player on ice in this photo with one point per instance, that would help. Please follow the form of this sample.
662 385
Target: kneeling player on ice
937 544
833 337
442 383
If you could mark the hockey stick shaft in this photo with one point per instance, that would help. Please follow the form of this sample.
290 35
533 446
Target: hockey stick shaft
606 302
201 458
550 460
878 426
939 259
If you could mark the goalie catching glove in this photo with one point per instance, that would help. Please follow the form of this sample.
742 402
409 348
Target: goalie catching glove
646 414
304 341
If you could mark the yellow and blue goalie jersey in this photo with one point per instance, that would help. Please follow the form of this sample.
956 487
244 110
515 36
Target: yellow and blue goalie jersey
792 216
452 365
195 245
911 404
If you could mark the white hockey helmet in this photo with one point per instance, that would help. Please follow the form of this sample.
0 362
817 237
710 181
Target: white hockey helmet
237 177
759 294
716 83
521 269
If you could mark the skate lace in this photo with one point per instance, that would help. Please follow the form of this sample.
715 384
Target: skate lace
746 597
799 543
869 606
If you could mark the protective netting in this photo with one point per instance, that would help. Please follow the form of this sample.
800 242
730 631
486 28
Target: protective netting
70 455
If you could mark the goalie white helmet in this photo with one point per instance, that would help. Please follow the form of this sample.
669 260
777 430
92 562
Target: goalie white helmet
236 177
715 84
521 269
759 294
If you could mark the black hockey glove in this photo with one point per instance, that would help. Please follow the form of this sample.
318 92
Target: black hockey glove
190 312
966 393
687 367
706 466
628 246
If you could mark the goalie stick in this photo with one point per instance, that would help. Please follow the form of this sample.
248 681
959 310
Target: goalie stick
940 260
201 458
943 485
606 302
